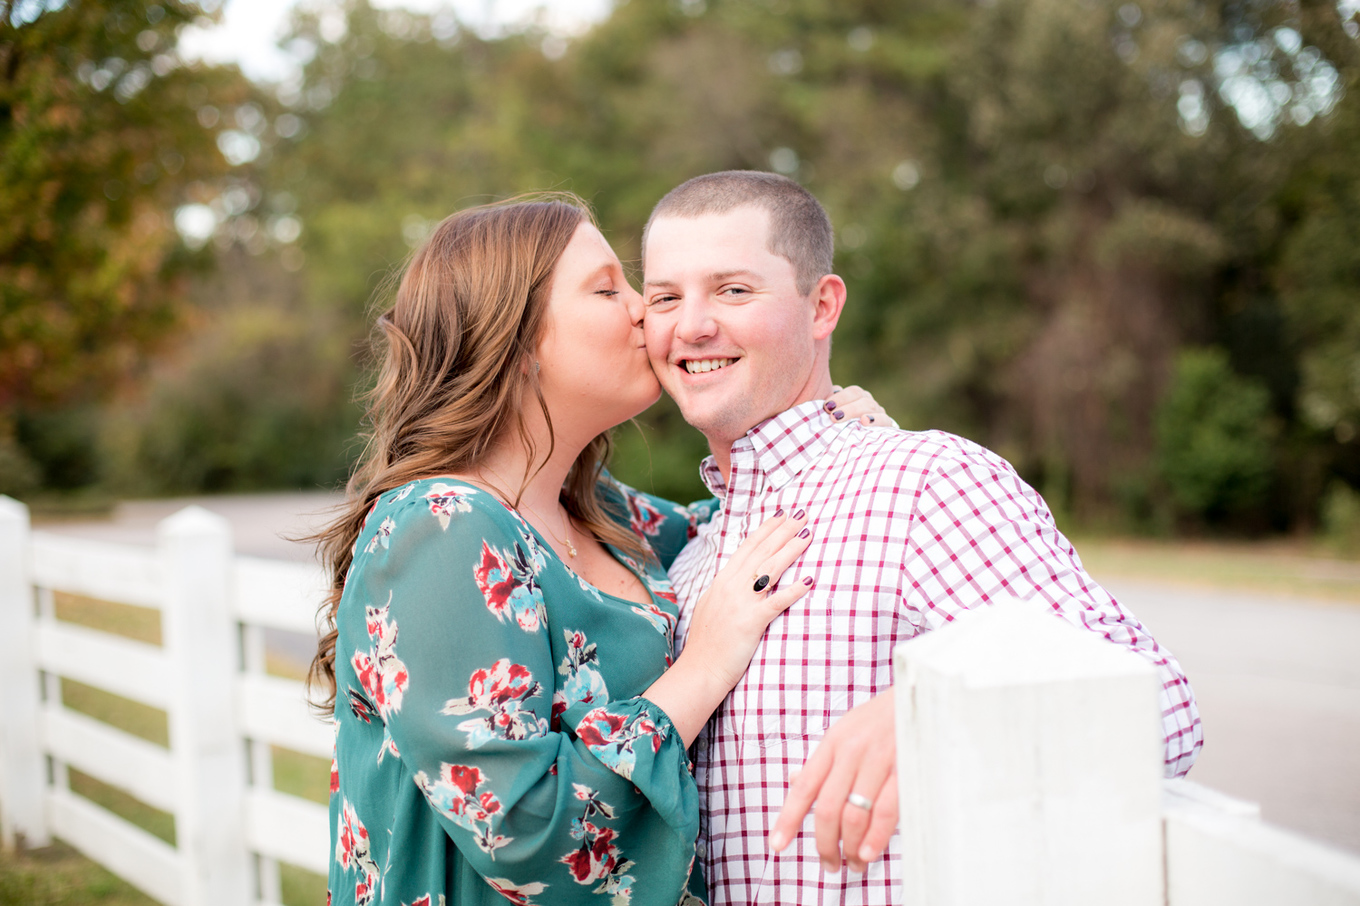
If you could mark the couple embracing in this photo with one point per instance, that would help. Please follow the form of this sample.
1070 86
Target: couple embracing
551 688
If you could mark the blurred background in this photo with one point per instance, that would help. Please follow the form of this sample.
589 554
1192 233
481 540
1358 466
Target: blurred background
1117 242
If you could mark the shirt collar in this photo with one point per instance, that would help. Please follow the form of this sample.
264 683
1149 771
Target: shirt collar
783 445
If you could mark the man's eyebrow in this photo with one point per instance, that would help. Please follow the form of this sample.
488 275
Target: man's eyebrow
715 277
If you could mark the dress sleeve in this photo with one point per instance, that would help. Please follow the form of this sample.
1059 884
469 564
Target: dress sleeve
461 671
665 525
980 527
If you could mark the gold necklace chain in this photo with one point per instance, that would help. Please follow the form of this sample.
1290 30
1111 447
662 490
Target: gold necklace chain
571 548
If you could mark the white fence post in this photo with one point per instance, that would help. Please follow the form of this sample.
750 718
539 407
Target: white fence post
1030 763
22 775
201 642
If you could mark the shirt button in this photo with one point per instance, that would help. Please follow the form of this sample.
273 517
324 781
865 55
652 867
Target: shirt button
701 848
701 744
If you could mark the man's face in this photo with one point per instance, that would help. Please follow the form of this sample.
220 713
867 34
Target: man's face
728 334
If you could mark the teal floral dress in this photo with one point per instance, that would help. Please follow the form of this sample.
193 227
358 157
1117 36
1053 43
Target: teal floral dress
492 743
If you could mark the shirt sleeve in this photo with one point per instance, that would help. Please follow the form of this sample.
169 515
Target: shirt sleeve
666 526
562 801
983 533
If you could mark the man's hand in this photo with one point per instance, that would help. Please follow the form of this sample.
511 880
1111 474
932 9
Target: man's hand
859 755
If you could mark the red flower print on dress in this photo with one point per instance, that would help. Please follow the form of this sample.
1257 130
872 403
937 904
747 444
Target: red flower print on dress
509 582
354 850
584 684
380 671
503 690
661 621
610 738
518 894
448 500
419 901
598 858
644 519
455 794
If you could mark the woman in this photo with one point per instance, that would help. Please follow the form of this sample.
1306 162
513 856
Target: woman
509 722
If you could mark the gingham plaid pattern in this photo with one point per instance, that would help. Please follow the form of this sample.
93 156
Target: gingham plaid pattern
909 530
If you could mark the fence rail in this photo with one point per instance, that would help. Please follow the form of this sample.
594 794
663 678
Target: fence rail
224 713
1029 756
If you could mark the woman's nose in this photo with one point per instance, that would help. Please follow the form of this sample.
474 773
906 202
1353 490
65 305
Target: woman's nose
632 300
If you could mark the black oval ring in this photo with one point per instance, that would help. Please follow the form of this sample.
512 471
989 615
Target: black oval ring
761 582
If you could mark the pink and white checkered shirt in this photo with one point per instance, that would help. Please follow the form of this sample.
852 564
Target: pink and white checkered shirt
909 530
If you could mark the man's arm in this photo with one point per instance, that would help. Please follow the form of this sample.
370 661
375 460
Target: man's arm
981 534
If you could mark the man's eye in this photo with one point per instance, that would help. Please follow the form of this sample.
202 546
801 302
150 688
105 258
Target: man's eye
660 301
734 291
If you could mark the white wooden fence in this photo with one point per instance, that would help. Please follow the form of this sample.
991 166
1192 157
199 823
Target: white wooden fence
1030 766
1029 751
232 828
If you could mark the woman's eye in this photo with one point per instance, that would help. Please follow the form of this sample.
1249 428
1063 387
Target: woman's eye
607 292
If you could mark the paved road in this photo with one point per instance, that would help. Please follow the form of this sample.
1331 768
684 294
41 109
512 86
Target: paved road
1277 679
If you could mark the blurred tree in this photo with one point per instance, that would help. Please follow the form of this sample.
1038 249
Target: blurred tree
102 135
1214 438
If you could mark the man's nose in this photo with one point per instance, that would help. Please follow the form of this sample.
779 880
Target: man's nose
695 322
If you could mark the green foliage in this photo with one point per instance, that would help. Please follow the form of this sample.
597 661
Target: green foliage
1214 435
1341 518
1038 204
98 143
260 401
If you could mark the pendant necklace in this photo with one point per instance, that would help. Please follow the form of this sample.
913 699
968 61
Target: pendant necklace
571 548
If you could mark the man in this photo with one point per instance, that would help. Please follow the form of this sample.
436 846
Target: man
910 530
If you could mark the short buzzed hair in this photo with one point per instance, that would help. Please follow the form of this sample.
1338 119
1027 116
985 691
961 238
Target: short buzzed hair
800 231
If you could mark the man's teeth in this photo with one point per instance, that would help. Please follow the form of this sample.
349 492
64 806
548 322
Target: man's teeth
699 366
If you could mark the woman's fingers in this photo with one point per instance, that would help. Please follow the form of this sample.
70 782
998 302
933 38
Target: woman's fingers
770 537
856 402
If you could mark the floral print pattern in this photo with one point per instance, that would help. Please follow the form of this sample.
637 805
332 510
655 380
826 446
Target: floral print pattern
448 500
381 673
481 679
598 857
503 690
509 582
455 794
611 738
353 850
584 684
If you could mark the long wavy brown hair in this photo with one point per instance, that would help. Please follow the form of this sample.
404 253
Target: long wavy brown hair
468 313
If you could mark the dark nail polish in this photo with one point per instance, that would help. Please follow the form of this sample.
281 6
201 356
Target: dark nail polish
805 534
800 514
830 405
808 581
779 512
839 414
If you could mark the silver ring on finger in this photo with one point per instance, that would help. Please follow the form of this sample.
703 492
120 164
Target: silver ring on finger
761 583
859 800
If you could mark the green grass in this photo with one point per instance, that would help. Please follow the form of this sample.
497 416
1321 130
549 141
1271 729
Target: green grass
141 624
151 724
129 808
302 775
57 875
1268 567
301 887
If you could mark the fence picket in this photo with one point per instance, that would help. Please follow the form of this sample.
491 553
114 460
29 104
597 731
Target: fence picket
22 774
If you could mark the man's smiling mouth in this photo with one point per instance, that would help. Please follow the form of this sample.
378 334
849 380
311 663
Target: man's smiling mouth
700 366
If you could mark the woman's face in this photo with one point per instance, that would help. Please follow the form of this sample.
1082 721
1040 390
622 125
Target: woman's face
593 366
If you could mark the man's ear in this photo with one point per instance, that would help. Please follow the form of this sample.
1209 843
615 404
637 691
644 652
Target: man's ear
828 300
